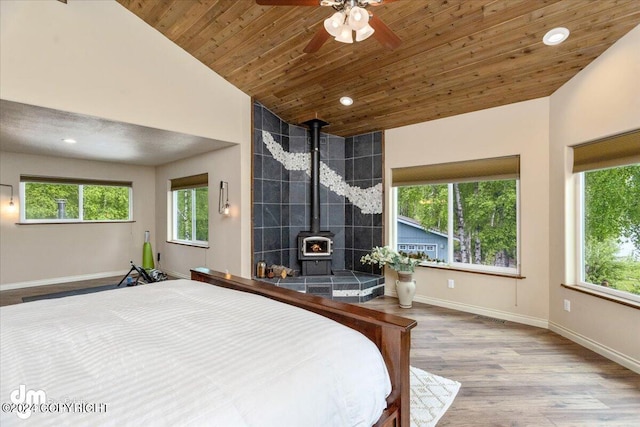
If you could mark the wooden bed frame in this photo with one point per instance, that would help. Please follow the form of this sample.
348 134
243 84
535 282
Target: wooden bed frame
391 333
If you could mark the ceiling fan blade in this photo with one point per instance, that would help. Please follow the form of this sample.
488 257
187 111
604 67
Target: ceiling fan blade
383 33
317 41
63 1
288 2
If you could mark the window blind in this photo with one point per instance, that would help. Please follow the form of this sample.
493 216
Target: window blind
75 181
471 170
618 150
193 181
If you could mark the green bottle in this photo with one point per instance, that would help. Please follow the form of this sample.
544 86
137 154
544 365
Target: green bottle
147 253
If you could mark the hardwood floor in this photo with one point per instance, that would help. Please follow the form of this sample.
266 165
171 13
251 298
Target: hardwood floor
511 374
517 375
14 296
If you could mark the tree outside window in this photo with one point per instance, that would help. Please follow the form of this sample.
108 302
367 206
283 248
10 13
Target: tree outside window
611 228
60 202
191 214
483 215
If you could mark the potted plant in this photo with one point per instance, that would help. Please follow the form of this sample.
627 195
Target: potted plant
404 267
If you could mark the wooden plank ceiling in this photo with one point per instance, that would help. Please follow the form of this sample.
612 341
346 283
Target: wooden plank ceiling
456 56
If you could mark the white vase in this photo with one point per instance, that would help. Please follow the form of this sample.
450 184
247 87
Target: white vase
405 288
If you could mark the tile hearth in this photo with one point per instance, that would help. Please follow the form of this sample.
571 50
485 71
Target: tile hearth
343 285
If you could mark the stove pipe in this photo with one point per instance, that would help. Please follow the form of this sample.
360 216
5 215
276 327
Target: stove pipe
314 126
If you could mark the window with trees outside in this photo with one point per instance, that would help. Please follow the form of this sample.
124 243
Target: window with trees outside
47 199
474 203
190 206
608 243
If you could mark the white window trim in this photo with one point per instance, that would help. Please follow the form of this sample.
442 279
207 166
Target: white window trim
80 219
579 247
173 220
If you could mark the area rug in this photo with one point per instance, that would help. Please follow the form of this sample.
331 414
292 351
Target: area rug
431 396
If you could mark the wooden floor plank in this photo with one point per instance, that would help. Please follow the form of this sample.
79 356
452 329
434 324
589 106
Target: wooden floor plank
517 375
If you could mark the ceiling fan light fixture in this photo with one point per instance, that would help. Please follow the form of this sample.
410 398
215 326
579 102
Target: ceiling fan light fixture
555 36
345 35
364 33
358 18
333 24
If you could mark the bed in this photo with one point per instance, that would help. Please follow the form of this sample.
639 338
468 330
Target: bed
186 353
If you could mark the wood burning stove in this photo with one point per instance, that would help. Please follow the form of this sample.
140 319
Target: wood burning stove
314 252
315 247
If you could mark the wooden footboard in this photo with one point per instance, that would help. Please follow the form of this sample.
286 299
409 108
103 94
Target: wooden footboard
392 334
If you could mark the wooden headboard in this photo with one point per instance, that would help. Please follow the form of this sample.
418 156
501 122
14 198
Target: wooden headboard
391 333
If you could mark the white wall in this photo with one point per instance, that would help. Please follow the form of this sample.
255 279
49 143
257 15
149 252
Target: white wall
522 129
97 58
601 100
224 232
50 253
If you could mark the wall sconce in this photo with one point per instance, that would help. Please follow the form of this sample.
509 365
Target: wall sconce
11 205
223 200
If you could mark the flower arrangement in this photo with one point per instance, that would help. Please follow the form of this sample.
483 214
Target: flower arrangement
387 256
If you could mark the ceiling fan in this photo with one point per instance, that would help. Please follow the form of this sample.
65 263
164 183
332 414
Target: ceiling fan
350 16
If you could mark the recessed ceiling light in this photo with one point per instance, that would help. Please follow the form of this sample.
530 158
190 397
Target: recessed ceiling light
69 140
345 100
555 36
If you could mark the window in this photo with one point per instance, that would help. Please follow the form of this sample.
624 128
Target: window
190 207
70 200
474 204
608 232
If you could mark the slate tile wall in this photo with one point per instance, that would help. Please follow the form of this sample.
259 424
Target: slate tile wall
363 168
281 198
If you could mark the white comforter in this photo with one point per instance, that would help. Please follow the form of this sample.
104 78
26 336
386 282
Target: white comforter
187 353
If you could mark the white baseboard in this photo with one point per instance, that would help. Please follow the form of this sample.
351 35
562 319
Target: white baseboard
603 350
58 280
467 308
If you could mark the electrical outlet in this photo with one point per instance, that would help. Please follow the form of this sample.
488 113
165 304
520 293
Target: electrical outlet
451 284
158 256
567 305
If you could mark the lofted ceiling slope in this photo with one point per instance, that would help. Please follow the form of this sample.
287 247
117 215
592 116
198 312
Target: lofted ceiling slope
456 56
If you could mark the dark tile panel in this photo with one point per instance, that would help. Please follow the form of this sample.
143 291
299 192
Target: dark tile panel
271 168
257 166
345 284
377 166
298 192
272 191
363 145
271 215
271 122
257 240
348 148
272 239
361 219
257 141
348 170
377 143
348 213
257 215
257 115
363 168
298 216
